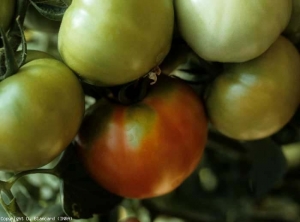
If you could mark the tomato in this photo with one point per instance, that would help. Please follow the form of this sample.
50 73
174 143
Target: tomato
41 108
231 30
114 42
255 99
148 148
34 54
7 9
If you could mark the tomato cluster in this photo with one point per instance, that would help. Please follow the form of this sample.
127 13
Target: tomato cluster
150 146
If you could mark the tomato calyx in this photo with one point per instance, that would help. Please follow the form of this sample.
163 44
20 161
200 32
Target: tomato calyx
208 73
134 91
153 75
197 70
11 40
51 9
12 63
13 33
183 63
14 37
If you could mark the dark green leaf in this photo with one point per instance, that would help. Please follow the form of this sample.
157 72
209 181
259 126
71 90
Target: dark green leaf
81 196
268 165
288 134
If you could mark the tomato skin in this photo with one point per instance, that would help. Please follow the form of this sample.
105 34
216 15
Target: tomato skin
145 149
34 55
255 99
41 108
113 42
232 30
7 8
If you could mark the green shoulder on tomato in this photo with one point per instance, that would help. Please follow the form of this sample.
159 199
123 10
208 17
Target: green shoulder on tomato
41 107
231 30
255 99
114 42
148 148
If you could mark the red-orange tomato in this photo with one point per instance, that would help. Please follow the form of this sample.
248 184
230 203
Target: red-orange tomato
146 149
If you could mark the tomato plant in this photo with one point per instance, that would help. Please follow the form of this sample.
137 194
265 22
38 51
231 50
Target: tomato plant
35 21
115 42
148 148
41 109
231 31
255 99
7 8
35 54
142 140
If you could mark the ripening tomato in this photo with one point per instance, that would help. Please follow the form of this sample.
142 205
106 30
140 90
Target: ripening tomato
231 30
148 148
255 99
113 42
41 108
7 9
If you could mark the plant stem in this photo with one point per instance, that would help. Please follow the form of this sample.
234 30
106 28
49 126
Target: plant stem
11 181
14 32
53 2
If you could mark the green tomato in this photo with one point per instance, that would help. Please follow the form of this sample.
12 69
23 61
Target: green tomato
7 9
255 99
231 30
34 54
113 42
41 107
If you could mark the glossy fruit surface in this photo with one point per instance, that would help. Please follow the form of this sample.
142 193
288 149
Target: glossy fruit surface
255 99
41 108
34 55
7 8
146 149
232 30
112 42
